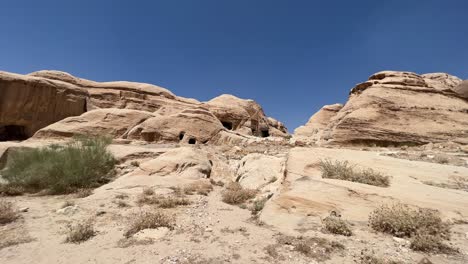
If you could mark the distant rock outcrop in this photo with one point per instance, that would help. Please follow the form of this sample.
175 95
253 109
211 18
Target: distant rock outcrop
57 104
395 108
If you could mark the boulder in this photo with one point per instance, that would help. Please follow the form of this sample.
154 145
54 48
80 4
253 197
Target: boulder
396 108
462 89
258 170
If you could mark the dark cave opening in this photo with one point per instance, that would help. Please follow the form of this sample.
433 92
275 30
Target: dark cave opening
192 141
13 133
265 133
227 124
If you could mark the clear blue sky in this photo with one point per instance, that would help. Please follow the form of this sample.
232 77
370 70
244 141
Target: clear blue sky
290 56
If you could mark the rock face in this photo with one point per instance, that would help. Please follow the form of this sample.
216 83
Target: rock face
57 104
395 108
28 104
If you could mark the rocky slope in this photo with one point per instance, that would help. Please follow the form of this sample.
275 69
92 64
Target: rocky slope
395 108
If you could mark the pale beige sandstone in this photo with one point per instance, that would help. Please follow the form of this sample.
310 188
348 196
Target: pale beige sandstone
244 116
110 122
28 103
399 108
313 130
192 125
256 170
306 196
462 89
62 95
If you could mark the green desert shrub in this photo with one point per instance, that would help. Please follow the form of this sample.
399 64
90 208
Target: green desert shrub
149 220
423 226
342 170
80 164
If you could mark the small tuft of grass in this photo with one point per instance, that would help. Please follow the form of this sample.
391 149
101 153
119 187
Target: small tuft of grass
271 251
148 191
342 170
11 190
171 202
8 213
135 163
121 203
82 163
236 194
423 226
82 193
80 232
149 220
336 225
258 205
441 159
198 187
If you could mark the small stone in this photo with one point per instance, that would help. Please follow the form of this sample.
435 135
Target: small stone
100 212
208 230
24 209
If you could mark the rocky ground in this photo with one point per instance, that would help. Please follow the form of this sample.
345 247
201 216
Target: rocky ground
210 231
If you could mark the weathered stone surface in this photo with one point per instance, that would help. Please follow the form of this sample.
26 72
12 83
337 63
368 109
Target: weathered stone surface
34 101
110 122
259 170
30 103
192 125
181 162
244 116
395 108
462 89
313 130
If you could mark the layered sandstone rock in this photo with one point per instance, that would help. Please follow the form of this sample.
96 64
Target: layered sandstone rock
395 108
313 130
137 111
28 104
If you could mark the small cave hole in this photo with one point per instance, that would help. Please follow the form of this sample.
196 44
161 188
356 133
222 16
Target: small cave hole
13 133
181 135
265 133
227 125
192 141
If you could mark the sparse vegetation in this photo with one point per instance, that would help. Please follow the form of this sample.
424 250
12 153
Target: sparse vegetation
149 220
121 203
258 205
80 232
371 258
342 170
236 194
82 163
149 198
456 183
336 225
198 187
271 251
82 193
8 213
424 226
442 159
148 191
314 247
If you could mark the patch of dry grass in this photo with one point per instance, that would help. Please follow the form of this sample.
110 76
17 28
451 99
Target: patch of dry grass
258 205
149 220
236 194
423 226
161 201
198 187
455 183
8 213
80 232
336 225
11 190
371 258
342 170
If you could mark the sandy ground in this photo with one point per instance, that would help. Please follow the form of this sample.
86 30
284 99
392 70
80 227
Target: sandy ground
211 231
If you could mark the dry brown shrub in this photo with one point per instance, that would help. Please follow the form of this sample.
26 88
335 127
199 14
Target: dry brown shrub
236 194
8 212
336 225
149 220
342 170
80 232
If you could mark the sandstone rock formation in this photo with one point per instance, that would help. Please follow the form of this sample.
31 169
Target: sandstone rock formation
396 108
128 110
28 104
